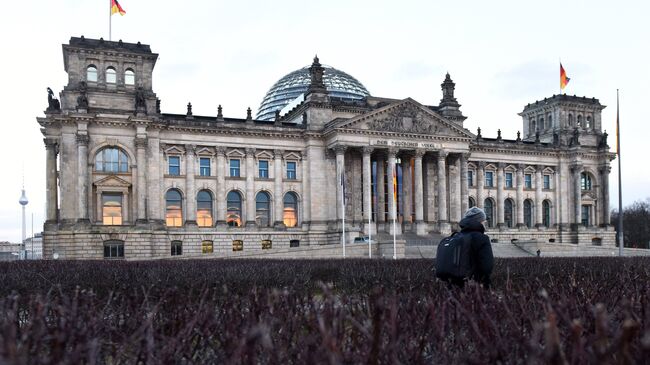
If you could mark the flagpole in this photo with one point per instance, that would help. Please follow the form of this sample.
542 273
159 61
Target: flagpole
394 212
621 236
110 18
343 209
370 216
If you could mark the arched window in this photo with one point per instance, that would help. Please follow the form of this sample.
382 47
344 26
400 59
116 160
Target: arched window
550 121
540 127
111 159
528 213
91 73
507 213
588 123
262 208
579 121
472 203
204 209
533 127
488 207
585 181
570 120
129 77
111 75
546 213
174 204
290 215
233 214
113 249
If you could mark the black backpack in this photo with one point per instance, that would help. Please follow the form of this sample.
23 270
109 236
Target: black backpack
453 258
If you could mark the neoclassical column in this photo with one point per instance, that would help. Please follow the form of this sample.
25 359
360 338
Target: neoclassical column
306 189
141 153
221 186
407 198
190 187
455 214
500 200
576 170
51 150
442 188
480 185
277 188
340 171
367 189
381 188
392 206
604 205
464 188
419 194
538 196
154 181
520 195
250 187
82 176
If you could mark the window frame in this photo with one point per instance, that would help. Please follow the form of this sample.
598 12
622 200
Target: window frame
171 172
201 220
292 174
205 170
176 248
128 76
264 175
113 74
489 182
121 208
207 247
105 160
259 210
509 182
176 221
470 177
235 171
528 181
96 72
285 213
238 209
546 181
113 249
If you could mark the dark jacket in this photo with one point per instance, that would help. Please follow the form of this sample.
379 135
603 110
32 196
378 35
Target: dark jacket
481 251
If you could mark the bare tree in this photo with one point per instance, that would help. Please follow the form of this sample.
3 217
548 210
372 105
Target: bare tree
636 224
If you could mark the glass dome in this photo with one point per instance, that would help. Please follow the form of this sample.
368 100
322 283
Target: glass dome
338 84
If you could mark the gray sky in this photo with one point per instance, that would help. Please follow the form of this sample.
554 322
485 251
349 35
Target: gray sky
501 54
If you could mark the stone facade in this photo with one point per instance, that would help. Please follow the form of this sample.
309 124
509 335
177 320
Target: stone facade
125 180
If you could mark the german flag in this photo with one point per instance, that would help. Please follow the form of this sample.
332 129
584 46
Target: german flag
564 80
116 8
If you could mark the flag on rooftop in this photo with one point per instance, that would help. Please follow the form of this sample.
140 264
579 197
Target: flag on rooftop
564 80
116 8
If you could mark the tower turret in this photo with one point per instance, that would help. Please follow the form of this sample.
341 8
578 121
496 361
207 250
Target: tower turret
449 106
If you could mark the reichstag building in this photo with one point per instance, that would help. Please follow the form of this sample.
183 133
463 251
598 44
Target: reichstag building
125 180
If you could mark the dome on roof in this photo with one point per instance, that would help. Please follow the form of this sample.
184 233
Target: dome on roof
338 84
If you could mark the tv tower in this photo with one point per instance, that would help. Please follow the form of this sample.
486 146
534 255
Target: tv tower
23 201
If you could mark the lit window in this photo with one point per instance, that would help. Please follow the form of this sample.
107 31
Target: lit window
91 74
290 216
237 245
489 179
528 181
174 214
233 215
177 248
204 166
508 179
111 159
174 165
267 244
264 169
262 208
113 249
111 209
234 168
204 209
470 178
585 181
547 181
111 75
129 77
207 247
291 170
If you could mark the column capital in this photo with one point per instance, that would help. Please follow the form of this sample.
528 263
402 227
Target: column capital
278 154
392 152
367 150
250 152
465 155
305 154
51 143
481 164
140 142
82 139
539 168
419 153
221 150
442 154
604 170
190 149
521 167
577 168
501 165
340 149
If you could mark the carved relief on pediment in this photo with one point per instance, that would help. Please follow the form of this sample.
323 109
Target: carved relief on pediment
408 119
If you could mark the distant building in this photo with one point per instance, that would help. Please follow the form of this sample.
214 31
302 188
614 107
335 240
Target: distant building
34 247
10 251
134 182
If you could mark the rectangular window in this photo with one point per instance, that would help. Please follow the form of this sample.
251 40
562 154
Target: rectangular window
174 165
291 170
113 249
264 169
294 243
111 209
508 179
237 245
528 181
489 179
204 164
177 248
547 181
470 178
234 168
585 215
267 244
207 247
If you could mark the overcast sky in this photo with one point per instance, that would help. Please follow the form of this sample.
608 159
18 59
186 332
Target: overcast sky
501 54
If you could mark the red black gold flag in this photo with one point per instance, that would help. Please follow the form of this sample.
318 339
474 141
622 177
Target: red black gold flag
116 8
564 80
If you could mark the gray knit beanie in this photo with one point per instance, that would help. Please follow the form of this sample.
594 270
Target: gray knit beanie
475 214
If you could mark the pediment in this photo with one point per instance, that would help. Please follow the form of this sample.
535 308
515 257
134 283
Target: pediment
405 116
113 181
